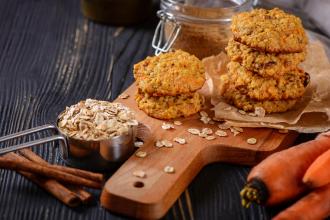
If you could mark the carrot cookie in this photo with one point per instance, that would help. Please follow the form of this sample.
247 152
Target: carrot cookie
170 107
265 64
169 74
245 103
269 30
290 86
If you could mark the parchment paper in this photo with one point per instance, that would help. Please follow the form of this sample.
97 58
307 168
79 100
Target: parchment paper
311 114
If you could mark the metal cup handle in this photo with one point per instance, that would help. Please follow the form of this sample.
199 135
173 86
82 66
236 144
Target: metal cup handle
55 137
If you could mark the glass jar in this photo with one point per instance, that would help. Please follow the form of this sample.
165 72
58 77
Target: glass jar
200 27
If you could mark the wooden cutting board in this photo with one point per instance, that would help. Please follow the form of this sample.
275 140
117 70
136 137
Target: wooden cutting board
151 197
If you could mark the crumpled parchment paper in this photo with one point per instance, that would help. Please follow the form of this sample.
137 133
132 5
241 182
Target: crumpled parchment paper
311 114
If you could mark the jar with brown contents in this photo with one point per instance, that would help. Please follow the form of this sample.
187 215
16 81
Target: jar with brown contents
200 27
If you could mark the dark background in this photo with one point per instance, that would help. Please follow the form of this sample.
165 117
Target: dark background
52 57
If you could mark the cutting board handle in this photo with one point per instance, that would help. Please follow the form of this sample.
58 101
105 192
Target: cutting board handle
152 196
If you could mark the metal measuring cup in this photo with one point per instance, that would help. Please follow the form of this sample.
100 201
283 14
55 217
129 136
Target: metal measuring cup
100 155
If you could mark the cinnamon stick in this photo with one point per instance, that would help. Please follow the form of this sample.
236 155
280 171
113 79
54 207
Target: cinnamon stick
77 172
51 186
46 171
84 196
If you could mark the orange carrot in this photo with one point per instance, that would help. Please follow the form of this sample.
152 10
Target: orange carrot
318 173
314 206
279 177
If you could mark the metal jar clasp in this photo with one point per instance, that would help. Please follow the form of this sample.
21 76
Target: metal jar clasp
160 42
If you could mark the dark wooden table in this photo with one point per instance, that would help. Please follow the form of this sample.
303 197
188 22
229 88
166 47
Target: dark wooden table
52 57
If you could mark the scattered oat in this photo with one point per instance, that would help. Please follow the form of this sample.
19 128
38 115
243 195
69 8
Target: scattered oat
211 122
177 123
205 120
260 112
239 129
203 135
227 108
180 140
138 143
251 141
203 114
207 131
221 133
235 131
209 138
96 120
217 119
167 126
159 144
124 96
252 114
223 126
242 112
167 143
169 169
193 131
141 154
283 131
140 174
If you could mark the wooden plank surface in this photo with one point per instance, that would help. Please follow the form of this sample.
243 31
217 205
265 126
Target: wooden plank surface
52 57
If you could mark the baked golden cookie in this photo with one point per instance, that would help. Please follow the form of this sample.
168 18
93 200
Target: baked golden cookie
289 86
269 30
170 107
265 64
247 104
169 74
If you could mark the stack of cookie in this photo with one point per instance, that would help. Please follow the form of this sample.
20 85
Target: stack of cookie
265 51
167 85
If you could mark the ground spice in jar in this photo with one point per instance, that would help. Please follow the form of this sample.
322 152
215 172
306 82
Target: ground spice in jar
204 24
200 40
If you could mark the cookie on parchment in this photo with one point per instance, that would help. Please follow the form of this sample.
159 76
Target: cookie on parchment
265 64
170 107
290 86
269 30
242 101
169 74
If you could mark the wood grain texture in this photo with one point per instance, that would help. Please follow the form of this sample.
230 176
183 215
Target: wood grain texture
51 57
